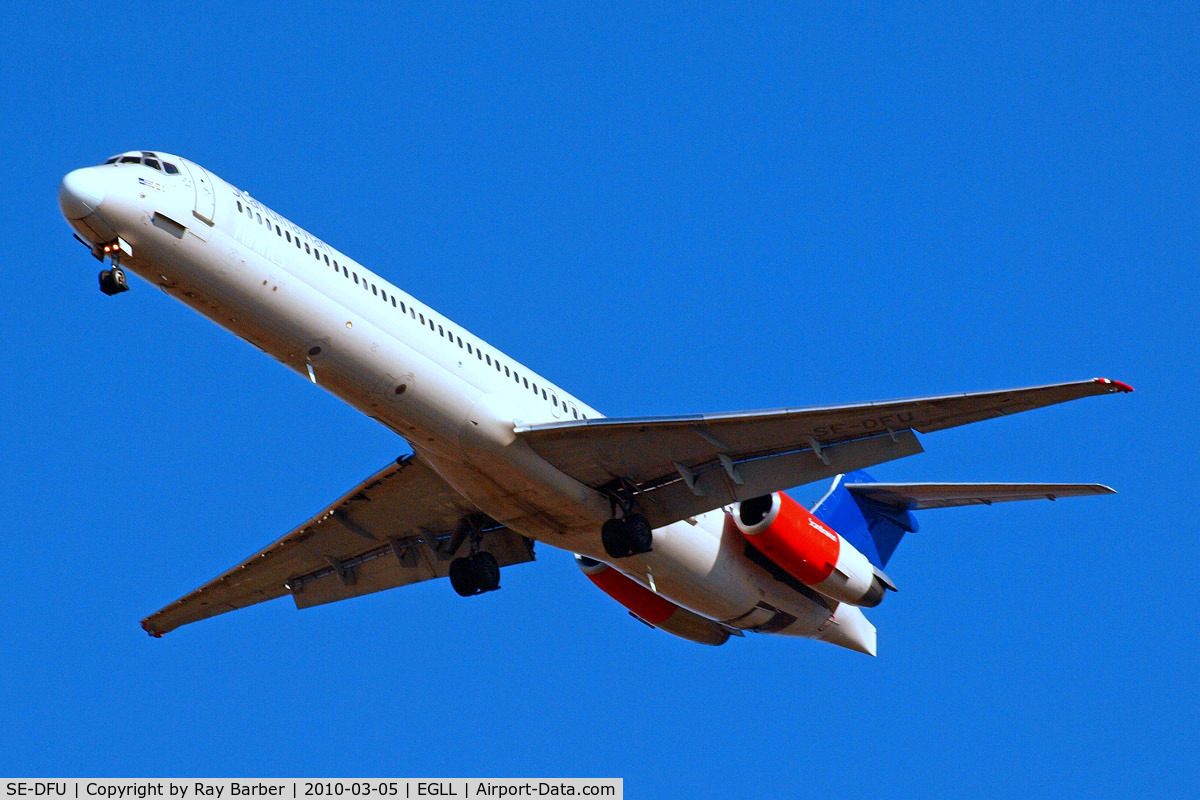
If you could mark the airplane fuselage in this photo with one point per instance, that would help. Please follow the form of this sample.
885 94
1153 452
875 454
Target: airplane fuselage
455 398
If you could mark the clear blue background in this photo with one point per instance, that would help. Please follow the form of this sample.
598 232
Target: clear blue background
665 211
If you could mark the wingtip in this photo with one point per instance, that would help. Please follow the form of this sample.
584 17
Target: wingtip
1114 386
150 629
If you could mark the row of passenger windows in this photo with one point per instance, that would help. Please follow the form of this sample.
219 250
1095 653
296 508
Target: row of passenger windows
411 312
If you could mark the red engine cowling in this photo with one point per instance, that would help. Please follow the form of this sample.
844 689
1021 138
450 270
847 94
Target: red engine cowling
809 551
653 609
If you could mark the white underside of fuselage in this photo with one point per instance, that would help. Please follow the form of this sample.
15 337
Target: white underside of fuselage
452 410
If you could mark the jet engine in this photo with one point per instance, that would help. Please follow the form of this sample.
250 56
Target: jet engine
809 551
652 609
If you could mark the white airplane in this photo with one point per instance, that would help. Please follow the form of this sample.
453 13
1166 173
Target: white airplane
681 519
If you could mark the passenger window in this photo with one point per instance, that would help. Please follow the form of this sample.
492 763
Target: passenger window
306 248
171 169
489 360
544 395
440 331
239 205
497 365
278 232
554 399
393 301
535 388
412 312
469 350
250 214
259 218
327 258
422 319
506 372
575 413
355 274
526 381
288 235
460 341
403 310
431 323
373 289
346 272
297 241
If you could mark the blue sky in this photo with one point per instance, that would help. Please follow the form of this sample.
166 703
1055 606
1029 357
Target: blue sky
665 211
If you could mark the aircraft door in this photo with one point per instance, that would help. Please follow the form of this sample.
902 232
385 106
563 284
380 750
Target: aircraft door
206 201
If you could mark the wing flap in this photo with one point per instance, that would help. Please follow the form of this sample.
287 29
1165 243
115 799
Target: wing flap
399 563
375 537
699 462
917 496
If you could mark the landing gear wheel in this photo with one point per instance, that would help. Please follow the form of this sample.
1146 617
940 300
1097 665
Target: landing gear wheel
462 577
475 574
487 571
627 537
640 534
112 281
612 535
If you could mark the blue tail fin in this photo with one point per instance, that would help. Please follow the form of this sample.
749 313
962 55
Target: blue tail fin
872 527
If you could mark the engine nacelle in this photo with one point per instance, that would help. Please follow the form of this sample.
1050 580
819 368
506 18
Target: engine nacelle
809 551
652 609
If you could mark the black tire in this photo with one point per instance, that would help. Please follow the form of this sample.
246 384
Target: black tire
487 572
638 534
462 577
612 535
106 281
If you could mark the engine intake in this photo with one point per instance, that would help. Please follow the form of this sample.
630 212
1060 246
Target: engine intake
809 551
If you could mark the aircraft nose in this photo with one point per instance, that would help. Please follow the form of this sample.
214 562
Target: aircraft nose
81 192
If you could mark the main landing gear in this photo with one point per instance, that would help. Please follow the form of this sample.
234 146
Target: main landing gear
475 574
627 536
112 281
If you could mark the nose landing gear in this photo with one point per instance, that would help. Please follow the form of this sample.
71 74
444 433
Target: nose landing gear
112 281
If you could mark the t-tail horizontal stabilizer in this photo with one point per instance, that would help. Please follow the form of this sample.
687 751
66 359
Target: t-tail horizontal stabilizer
918 496
875 516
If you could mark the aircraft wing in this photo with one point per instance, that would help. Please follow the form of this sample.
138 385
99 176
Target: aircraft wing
917 496
681 466
400 526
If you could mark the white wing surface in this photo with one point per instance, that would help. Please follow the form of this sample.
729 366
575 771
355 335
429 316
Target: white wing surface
677 467
400 526
917 496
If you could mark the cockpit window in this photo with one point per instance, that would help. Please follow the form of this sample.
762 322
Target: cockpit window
150 162
112 160
170 168
130 160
